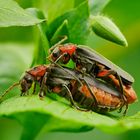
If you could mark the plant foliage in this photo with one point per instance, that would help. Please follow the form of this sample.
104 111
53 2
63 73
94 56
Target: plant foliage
49 114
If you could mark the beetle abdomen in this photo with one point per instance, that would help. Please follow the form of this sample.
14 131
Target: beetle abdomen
104 99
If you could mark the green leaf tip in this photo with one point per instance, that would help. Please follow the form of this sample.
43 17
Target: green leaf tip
105 28
36 13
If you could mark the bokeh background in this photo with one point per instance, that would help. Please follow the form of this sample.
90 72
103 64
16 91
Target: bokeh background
126 14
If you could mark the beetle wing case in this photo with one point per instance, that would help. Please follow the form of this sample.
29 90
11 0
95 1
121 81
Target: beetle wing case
68 73
92 55
64 73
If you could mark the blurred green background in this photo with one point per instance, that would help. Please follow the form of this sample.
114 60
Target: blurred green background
126 14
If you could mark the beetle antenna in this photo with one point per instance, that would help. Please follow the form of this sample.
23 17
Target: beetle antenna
10 88
60 42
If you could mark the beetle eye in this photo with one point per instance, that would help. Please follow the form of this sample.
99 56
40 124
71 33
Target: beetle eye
66 55
66 58
56 53
29 80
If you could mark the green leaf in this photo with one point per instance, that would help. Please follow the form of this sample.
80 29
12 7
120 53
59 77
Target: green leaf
51 115
61 31
78 2
54 8
43 46
47 114
78 27
41 50
96 6
11 14
105 28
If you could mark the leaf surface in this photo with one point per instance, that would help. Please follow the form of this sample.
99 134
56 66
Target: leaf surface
11 14
96 6
78 27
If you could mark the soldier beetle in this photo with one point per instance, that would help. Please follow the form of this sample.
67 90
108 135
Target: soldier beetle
92 94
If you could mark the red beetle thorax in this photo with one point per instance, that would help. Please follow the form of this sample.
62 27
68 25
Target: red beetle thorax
38 71
69 48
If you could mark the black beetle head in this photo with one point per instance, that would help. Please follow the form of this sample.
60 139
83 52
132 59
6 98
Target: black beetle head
56 54
26 82
63 52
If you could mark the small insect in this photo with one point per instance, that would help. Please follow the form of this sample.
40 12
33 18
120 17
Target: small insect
92 94
91 62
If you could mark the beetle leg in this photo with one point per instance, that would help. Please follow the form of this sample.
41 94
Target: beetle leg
41 91
83 72
21 94
111 72
106 73
59 57
67 72
122 96
72 100
61 41
93 68
121 88
120 109
82 65
24 93
126 108
91 92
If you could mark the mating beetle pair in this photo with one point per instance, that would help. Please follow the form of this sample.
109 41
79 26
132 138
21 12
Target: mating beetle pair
92 94
91 62
96 83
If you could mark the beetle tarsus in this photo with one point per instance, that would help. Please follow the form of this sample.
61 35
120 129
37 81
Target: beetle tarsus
41 95
125 111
